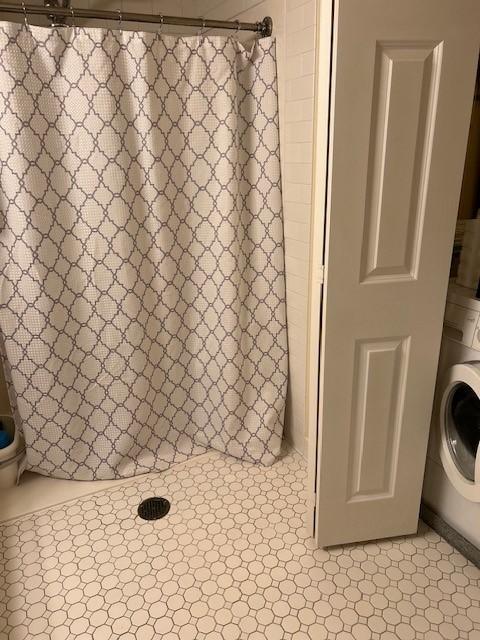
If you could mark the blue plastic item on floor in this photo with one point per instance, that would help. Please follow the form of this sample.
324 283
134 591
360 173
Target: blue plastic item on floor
5 439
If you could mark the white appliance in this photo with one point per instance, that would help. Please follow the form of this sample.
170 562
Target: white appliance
452 476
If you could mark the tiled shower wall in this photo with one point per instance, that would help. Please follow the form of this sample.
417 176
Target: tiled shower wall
294 28
297 123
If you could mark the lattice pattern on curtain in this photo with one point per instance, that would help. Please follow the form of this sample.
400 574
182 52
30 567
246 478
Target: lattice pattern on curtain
142 289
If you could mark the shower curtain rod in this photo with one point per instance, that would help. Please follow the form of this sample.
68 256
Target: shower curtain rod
263 28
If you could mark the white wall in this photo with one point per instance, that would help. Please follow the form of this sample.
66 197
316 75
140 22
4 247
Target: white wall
297 185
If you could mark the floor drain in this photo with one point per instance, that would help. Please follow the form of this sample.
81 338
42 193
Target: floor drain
153 508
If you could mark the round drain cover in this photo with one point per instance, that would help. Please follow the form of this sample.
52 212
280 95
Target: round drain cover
153 508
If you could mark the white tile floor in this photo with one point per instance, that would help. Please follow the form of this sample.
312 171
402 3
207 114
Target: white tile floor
230 561
36 492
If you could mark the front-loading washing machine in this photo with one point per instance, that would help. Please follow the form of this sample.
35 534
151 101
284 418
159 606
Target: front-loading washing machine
452 477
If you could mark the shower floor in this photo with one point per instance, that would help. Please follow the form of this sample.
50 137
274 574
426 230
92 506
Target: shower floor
230 561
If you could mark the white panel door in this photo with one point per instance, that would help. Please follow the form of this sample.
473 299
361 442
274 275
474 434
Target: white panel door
403 78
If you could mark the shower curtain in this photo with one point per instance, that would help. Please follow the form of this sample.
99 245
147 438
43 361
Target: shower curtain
142 289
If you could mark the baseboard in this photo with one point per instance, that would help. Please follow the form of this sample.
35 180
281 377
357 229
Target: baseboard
451 535
294 445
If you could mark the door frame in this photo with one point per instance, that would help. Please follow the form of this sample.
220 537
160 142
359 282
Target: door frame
320 180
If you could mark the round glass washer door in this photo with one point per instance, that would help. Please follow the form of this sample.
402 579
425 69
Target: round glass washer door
462 428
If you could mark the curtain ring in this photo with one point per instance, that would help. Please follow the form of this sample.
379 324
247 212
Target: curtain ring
119 19
202 28
237 30
161 24
73 19
25 19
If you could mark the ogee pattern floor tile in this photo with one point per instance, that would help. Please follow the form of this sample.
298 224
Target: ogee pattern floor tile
230 561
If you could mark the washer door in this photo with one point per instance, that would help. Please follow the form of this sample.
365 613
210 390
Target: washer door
460 428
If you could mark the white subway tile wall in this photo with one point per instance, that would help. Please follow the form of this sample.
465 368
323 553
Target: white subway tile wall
294 28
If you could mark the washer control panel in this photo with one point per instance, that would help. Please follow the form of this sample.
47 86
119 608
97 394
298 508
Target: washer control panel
462 324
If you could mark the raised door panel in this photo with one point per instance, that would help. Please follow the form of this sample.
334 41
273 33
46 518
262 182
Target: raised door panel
377 413
406 81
